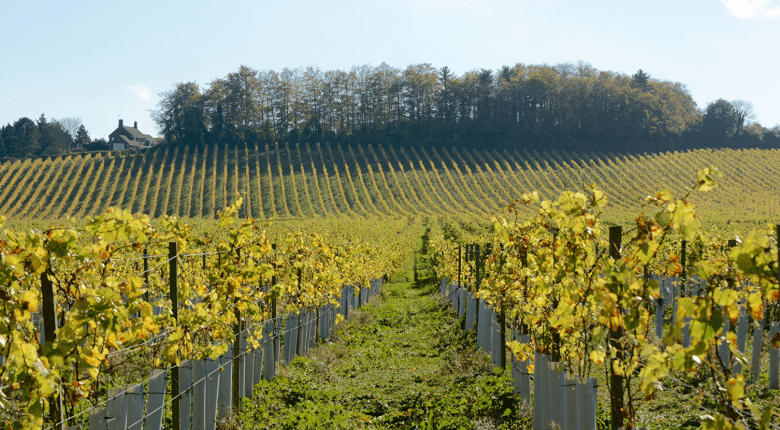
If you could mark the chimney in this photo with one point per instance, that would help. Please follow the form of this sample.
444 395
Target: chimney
120 123
135 125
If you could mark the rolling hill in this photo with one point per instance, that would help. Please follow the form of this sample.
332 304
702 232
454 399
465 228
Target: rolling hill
318 180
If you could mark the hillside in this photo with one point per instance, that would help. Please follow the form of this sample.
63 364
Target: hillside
326 180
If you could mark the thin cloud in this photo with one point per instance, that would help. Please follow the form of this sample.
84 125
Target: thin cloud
141 91
449 4
752 8
470 4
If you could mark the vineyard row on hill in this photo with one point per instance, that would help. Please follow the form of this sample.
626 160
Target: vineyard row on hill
325 180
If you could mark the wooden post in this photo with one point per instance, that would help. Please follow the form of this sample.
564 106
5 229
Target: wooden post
476 265
524 261
615 241
236 392
460 258
723 349
476 286
615 334
442 257
146 272
273 314
555 336
298 349
173 278
524 256
49 308
415 269
777 302
317 332
730 281
456 300
774 329
502 345
174 296
684 277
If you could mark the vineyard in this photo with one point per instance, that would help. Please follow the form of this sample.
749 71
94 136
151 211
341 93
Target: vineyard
302 181
620 271
656 307
90 309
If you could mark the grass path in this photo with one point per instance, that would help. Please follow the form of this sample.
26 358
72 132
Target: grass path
400 362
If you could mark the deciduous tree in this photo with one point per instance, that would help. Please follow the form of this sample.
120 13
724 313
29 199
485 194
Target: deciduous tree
180 114
71 126
720 121
744 112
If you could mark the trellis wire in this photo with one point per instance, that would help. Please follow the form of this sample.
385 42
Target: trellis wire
355 301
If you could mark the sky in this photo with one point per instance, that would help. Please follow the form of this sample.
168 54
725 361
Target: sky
105 60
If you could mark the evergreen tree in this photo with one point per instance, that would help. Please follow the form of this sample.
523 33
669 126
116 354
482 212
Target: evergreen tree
5 135
45 135
445 96
43 125
218 125
26 139
8 139
82 136
640 80
54 139
57 139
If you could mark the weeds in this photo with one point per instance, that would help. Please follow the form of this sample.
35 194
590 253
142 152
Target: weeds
400 362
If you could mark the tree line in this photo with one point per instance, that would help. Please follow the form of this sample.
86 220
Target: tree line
563 106
571 106
27 138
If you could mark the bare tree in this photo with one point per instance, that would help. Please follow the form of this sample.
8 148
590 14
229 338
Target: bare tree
745 113
71 126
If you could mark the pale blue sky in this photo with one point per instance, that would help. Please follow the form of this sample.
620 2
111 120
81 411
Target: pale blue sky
99 59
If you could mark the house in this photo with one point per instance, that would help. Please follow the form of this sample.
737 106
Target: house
129 137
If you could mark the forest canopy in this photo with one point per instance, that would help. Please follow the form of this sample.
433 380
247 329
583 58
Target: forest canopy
563 106
27 138
570 106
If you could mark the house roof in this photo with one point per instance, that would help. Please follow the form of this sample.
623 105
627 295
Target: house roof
130 142
136 133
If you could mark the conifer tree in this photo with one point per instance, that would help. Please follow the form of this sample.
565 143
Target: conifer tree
82 136
26 139
640 80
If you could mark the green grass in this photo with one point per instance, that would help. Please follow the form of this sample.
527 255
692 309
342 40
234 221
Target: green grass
402 361
675 406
